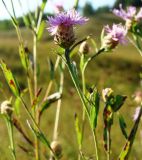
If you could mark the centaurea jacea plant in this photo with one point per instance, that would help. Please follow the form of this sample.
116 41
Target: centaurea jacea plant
62 27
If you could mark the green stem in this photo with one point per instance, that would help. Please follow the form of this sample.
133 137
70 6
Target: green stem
108 145
10 132
75 81
96 143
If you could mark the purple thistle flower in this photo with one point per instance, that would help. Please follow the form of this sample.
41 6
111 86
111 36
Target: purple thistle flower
129 14
69 18
61 26
114 35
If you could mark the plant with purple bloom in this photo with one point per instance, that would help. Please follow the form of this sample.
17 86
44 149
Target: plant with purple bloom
61 26
130 15
114 35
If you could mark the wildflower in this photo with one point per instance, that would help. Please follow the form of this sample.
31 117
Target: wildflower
131 16
114 35
57 148
106 93
61 27
136 114
84 48
6 108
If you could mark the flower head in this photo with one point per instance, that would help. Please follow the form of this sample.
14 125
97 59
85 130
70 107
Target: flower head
114 35
130 15
61 26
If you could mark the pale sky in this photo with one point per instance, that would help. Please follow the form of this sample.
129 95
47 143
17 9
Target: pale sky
31 5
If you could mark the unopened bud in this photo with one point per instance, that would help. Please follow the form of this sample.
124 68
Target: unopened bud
106 93
84 48
64 36
57 148
6 108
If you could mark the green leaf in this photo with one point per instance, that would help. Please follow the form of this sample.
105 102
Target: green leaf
26 21
124 155
76 2
10 79
40 136
123 126
43 4
94 107
41 30
17 103
78 130
118 102
23 57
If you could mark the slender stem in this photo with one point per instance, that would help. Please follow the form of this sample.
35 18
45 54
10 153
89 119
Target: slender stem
35 62
96 143
108 145
75 81
73 76
35 124
10 132
51 81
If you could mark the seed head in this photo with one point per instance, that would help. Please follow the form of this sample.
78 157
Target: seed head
57 148
6 108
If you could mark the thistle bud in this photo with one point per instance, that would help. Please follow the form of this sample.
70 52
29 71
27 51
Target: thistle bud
64 36
6 108
106 93
57 148
84 48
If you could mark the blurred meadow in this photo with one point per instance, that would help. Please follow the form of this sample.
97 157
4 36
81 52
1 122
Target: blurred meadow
118 69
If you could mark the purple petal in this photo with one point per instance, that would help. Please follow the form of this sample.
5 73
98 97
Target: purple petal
139 15
128 14
68 18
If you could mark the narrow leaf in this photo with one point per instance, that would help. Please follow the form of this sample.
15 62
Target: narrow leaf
23 57
41 30
78 131
10 79
123 126
40 136
124 155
